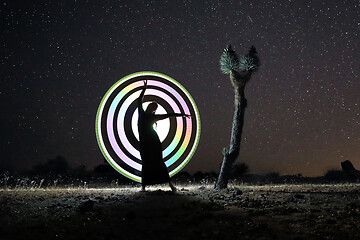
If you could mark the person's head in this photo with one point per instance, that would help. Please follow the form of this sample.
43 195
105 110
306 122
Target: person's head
151 108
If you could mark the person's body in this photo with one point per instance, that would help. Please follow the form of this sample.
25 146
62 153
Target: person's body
154 170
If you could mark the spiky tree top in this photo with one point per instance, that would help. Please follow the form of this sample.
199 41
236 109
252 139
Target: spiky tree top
250 62
229 61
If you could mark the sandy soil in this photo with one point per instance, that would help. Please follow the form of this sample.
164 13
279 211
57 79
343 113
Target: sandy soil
194 212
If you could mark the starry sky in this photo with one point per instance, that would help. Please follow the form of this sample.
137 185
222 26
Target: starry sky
58 59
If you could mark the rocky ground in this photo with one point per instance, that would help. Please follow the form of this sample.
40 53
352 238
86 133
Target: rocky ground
193 212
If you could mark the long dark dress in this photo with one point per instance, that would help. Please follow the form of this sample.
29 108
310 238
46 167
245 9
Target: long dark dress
154 170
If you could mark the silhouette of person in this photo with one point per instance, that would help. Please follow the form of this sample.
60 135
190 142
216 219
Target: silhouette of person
154 170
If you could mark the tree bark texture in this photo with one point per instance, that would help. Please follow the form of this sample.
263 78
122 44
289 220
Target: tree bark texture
238 81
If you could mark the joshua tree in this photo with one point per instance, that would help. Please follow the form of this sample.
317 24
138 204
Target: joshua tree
240 71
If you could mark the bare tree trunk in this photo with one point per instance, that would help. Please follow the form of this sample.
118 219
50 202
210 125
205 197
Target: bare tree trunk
238 82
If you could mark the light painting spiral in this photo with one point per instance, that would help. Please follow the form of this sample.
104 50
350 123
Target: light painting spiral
116 123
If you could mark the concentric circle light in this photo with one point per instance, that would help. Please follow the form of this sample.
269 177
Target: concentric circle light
116 123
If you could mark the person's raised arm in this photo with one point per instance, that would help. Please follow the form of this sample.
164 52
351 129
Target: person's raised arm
141 97
164 116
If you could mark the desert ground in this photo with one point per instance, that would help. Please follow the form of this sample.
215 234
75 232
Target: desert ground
286 211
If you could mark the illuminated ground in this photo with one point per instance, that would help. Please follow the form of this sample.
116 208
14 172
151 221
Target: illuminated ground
194 212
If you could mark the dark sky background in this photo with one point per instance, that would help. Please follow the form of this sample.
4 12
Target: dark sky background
58 59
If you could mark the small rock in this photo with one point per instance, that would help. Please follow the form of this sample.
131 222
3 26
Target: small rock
238 192
202 188
349 170
347 166
290 199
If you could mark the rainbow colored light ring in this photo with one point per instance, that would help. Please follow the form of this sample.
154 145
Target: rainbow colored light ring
114 130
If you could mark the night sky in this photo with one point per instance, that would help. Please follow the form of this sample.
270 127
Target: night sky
58 59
